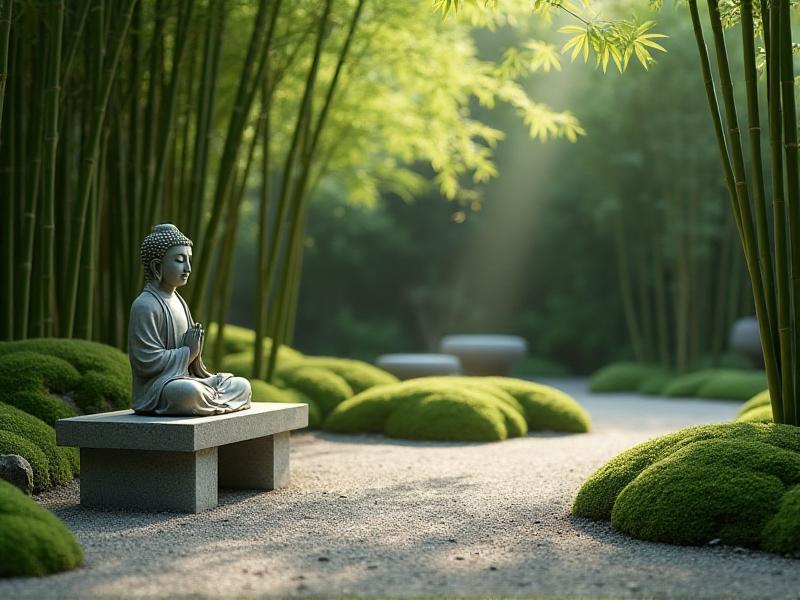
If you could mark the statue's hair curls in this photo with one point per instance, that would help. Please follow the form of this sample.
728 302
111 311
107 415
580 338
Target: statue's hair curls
155 245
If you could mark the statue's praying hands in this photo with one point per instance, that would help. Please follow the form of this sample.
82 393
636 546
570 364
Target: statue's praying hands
165 345
193 339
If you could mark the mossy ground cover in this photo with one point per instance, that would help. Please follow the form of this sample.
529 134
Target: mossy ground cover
736 482
458 409
756 410
32 540
54 378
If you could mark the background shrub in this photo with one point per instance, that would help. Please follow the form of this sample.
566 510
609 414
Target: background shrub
622 377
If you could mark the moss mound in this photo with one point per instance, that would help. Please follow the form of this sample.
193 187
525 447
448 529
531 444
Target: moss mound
431 408
459 408
239 340
737 482
61 464
54 378
622 377
324 388
359 375
545 408
266 392
33 541
733 385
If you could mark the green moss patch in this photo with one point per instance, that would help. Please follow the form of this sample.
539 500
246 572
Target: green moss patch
266 392
545 408
736 482
61 463
55 378
240 340
359 375
33 541
622 377
458 409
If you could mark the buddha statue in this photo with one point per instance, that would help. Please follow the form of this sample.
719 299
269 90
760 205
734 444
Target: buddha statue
165 344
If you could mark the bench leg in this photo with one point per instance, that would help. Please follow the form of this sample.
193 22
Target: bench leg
149 480
259 464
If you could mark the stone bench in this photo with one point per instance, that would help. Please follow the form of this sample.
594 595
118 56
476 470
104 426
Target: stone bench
176 464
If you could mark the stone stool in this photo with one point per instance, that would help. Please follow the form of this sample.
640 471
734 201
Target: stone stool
409 366
485 354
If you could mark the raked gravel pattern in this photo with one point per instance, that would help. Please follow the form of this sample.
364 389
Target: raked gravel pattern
369 516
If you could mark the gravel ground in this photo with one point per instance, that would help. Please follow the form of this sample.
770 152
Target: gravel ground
368 516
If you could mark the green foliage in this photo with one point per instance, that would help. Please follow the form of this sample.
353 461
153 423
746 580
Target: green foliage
545 408
54 378
266 392
359 375
622 377
605 39
323 387
60 463
458 408
33 541
735 482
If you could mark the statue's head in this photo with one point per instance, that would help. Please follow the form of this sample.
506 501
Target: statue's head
167 256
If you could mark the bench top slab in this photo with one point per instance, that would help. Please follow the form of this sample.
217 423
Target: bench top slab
125 430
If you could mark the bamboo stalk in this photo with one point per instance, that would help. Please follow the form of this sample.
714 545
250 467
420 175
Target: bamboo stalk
27 220
91 156
51 148
734 169
167 116
5 36
300 195
263 224
747 222
791 404
781 388
248 85
8 177
292 200
205 111
757 169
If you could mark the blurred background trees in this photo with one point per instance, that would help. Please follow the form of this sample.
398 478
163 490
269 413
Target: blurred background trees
383 152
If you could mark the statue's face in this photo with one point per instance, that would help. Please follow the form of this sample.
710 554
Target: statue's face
176 266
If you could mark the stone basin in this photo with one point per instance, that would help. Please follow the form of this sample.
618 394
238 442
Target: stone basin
485 354
409 366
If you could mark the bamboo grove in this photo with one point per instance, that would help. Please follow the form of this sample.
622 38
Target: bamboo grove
770 235
117 115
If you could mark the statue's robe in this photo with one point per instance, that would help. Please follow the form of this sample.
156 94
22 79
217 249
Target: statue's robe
164 381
